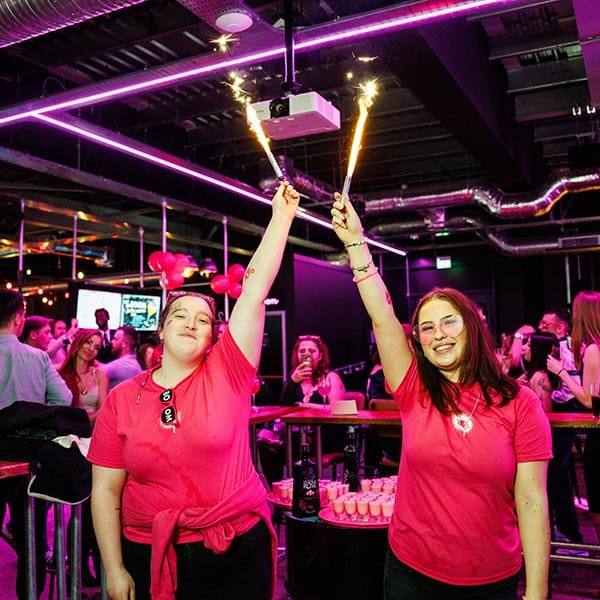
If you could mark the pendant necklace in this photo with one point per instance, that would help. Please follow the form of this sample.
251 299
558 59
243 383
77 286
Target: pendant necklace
463 422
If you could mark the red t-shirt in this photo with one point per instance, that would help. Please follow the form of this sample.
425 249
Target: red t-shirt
454 518
203 461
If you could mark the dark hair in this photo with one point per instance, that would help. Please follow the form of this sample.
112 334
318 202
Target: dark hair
562 313
34 323
68 370
132 336
323 366
141 351
542 343
586 323
11 303
479 361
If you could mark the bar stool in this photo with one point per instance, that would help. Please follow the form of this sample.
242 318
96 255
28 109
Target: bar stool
60 573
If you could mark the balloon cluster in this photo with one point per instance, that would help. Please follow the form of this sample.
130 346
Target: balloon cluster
173 267
229 284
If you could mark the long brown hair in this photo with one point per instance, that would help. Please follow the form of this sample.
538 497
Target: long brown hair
586 323
323 366
479 362
68 370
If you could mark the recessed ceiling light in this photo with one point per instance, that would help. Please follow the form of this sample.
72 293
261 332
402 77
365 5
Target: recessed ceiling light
233 21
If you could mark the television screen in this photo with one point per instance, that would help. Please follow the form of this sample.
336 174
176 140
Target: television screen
138 308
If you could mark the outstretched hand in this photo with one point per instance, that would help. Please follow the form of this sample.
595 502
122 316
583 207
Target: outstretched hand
286 200
346 223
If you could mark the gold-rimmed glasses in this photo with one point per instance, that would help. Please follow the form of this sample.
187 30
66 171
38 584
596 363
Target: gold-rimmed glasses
451 326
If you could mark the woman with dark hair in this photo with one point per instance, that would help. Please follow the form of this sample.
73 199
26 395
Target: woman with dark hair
472 498
179 509
83 374
585 340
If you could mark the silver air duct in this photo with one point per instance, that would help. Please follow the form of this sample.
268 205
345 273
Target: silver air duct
22 20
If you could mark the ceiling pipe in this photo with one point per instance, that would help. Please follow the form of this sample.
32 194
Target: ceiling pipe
22 20
496 202
500 240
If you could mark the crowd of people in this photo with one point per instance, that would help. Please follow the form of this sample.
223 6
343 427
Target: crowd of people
485 483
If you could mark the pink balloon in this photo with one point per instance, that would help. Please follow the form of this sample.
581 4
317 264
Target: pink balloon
220 284
182 262
235 291
168 261
154 261
173 279
236 272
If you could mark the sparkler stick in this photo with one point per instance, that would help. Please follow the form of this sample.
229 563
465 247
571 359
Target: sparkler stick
263 140
244 98
369 90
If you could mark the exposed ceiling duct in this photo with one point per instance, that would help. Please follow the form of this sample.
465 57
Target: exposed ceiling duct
498 237
496 202
22 20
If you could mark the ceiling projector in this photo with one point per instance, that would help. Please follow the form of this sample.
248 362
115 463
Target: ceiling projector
297 115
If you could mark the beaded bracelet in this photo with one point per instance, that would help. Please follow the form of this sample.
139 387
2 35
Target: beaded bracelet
353 244
367 276
364 268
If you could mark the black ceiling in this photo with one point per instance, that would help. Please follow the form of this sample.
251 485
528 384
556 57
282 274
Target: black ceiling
468 138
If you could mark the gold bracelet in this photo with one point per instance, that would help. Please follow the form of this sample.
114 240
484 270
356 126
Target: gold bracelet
353 244
364 268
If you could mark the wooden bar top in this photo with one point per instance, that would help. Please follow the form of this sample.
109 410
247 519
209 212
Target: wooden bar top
560 420
10 468
318 416
262 414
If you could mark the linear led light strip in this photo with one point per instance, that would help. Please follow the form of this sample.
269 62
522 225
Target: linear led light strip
186 169
435 13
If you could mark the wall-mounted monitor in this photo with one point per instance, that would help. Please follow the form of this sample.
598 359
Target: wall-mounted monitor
139 308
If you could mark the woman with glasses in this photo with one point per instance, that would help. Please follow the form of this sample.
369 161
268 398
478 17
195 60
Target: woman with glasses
472 476
179 510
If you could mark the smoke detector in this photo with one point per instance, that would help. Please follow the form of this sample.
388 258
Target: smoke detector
233 21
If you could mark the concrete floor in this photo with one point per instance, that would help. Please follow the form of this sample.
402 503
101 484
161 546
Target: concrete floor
568 581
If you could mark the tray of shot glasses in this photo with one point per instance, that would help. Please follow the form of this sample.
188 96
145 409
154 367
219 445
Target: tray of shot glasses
370 507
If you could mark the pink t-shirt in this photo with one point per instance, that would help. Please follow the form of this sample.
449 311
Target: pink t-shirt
454 518
203 461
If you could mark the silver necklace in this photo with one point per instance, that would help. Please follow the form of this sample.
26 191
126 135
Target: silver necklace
463 422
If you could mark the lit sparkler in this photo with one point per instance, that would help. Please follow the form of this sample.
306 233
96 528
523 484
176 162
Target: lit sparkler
369 90
244 99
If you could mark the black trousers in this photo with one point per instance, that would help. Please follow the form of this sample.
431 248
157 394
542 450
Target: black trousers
244 571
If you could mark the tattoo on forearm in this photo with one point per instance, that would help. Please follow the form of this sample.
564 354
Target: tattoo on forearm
249 272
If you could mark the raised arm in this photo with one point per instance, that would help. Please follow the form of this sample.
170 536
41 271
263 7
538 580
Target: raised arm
247 320
591 372
392 344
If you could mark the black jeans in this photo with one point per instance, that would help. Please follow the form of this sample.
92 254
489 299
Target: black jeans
403 583
244 571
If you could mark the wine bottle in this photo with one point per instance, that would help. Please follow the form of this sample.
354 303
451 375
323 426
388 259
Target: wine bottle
305 501
351 460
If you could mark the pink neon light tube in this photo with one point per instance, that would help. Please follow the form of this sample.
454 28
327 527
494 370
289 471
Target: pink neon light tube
383 21
185 168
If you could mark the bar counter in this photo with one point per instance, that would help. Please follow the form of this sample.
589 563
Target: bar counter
319 417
